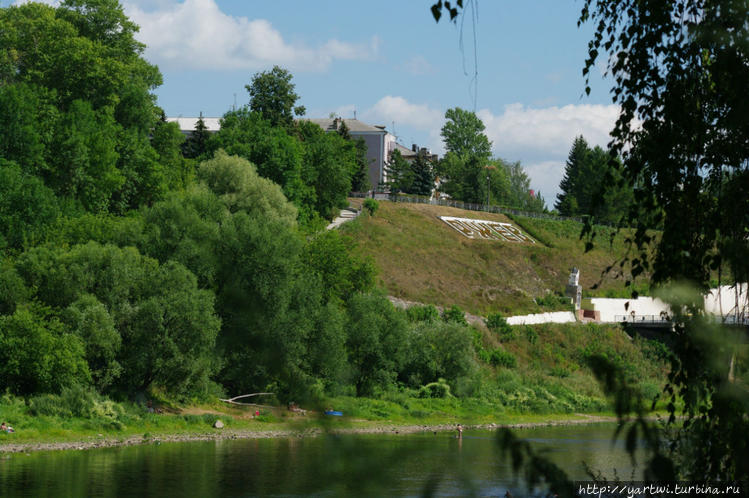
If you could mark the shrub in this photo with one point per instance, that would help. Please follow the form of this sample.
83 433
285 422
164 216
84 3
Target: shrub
371 206
531 335
497 324
426 313
502 358
438 389
454 315
554 302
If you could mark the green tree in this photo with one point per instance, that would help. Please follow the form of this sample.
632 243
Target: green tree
27 207
343 273
328 166
277 155
37 355
272 95
166 324
463 134
82 158
423 175
237 183
27 118
360 179
567 203
376 335
89 319
400 176
196 144
360 174
592 184
438 350
468 150
519 189
83 50
167 140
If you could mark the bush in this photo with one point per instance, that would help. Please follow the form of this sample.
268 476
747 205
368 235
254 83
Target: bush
497 324
554 302
426 313
438 389
454 315
502 358
371 206
531 335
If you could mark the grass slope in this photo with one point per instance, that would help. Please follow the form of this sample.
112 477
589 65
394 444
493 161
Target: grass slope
420 258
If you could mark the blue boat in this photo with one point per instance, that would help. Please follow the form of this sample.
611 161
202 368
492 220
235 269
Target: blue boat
334 413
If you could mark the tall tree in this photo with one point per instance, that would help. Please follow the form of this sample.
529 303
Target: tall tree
592 185
423 175
463 134
399 173
360 175
468 150
567 203
272 95
196 145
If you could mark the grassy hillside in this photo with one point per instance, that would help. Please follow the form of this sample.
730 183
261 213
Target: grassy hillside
420 258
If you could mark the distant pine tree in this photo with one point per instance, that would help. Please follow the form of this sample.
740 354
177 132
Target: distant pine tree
360 178
423 175
399 173
567 201
197 143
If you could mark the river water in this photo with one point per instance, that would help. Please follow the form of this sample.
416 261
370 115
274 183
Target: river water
351 465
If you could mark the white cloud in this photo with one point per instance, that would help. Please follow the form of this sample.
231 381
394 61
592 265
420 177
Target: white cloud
196 34
404 113
418 66
551 130
541 137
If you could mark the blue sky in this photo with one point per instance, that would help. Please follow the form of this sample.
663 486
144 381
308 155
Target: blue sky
394 65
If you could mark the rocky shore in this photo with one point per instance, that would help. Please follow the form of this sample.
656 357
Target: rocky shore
105 441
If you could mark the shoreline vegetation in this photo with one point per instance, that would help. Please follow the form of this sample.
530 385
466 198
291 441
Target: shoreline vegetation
312 427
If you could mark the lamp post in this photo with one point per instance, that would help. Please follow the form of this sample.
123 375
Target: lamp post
488 182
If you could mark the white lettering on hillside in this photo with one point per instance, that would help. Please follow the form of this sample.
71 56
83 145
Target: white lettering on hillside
489 230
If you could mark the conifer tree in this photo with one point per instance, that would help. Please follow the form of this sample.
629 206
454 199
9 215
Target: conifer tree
423 175
567 202
197 143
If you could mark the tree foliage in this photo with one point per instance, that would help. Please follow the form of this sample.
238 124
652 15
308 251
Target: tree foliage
592 185
679 69
272 95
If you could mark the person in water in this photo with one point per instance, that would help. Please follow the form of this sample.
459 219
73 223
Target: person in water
460 431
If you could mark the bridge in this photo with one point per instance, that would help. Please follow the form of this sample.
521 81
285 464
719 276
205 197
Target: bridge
664 321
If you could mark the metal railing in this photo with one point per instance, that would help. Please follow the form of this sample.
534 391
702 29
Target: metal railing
664 319
643 319
469 206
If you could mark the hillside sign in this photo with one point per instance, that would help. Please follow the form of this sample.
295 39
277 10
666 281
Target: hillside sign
489 230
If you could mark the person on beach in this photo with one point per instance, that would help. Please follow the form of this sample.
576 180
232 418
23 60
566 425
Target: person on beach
460 431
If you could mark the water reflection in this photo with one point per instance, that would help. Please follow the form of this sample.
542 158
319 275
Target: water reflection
386 464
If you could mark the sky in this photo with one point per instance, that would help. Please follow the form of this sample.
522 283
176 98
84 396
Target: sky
389 62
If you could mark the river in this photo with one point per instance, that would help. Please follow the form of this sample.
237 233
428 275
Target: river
351 465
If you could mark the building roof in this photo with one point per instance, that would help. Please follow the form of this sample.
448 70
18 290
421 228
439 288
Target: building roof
188 124
405 151
354 125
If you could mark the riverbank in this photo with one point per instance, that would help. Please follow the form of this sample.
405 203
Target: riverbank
312 428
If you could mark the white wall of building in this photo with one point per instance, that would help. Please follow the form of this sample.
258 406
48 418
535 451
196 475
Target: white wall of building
549 317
